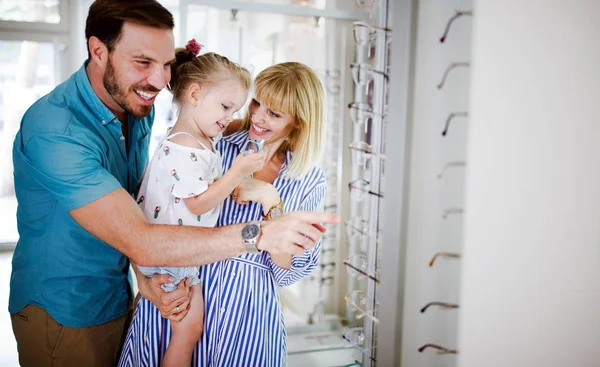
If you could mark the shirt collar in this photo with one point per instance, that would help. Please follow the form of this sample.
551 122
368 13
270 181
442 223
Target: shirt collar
97 107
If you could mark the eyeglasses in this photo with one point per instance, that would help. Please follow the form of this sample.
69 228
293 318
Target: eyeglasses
365 4
362 152
356 337
359 188
365 34
440 304
448 165
357 267
457 15
328 266
443 254
450 117
442 350
253 146
357 228
363 73
451 211
361 113
452 66
357 301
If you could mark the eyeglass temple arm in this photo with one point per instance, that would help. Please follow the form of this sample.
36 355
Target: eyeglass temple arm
451 20
450 117
444 350
441 304
454 65
452 211
450 164
443 254
361 272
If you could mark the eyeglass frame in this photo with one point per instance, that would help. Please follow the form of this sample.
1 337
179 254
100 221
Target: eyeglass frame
443 254
369 69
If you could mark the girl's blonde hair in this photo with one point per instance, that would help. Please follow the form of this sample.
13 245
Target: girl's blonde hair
295 90
205 70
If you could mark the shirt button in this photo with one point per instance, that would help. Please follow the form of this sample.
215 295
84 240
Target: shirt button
122 137
222 309
233 273
103 122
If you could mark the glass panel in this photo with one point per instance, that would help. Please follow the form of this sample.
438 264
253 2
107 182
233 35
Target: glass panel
27 72
258 40
317 4
173 7
44 11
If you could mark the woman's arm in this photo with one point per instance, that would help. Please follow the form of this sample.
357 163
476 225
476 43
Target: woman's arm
288 269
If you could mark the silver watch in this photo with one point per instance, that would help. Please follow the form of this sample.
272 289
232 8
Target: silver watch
250 236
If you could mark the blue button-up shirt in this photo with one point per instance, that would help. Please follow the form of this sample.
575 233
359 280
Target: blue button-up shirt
70 151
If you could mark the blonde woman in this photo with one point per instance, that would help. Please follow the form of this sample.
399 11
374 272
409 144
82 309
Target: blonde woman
244 323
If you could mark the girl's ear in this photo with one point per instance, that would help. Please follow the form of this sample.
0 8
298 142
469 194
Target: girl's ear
193 94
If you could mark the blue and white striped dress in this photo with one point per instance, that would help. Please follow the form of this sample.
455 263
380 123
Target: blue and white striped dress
243 323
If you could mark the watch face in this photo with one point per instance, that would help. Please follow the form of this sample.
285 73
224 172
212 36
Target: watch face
250 231
276 212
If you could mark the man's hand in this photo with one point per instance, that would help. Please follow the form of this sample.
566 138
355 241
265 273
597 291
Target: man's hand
294 232
167 303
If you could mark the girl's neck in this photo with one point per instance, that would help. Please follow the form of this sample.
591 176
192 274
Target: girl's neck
186 123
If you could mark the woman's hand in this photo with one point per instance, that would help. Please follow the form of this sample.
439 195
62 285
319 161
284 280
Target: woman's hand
257 191
172 306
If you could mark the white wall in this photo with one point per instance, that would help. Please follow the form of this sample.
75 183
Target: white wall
530 288
427 232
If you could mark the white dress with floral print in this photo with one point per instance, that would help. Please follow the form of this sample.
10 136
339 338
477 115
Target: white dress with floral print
177 172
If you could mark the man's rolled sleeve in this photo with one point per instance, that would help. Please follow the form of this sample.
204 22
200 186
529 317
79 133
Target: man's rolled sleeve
69 167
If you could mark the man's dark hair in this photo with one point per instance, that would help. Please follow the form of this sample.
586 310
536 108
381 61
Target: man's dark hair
106 17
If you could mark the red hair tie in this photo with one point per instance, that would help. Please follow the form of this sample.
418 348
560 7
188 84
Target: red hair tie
193 47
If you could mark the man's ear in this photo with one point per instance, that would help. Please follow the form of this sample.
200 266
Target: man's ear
98 52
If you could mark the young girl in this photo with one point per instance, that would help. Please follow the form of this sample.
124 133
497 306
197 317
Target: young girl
180 186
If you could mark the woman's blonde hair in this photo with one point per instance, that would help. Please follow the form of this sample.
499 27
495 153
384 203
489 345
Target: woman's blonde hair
295 90
203 69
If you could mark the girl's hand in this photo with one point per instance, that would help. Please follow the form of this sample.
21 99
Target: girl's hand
248 163
257 191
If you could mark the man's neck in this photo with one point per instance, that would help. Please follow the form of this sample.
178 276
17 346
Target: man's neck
96 80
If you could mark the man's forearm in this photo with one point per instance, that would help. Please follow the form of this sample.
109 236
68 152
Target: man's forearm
166 245
117 220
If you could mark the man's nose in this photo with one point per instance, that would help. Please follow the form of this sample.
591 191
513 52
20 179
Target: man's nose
159 77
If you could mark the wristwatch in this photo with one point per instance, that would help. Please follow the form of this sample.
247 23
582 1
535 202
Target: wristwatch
275 211
250 236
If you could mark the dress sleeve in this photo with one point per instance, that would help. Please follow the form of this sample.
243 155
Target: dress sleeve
304 264
188 171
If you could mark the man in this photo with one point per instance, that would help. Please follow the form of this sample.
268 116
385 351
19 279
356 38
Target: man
78 157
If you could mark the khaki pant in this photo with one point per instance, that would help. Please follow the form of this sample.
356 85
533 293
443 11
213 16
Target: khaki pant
42 341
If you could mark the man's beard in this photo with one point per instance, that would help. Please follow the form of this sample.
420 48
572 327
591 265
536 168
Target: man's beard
118 93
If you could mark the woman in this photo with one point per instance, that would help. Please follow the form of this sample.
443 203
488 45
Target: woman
243 321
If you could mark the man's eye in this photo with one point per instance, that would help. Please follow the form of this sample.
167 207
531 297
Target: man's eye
143 63
225 107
